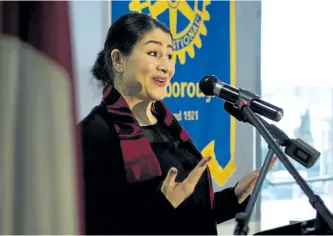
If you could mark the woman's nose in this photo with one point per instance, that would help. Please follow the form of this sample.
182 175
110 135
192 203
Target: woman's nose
163 66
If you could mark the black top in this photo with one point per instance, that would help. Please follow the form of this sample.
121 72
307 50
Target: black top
112 206
171 153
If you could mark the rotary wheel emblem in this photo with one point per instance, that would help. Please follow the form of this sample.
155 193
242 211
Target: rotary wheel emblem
184 38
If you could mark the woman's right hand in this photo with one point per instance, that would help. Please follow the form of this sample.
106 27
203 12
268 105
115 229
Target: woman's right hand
177 192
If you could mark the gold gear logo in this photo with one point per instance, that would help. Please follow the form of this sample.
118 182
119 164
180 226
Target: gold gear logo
184 40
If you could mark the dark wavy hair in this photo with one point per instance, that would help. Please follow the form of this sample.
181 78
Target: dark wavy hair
123 34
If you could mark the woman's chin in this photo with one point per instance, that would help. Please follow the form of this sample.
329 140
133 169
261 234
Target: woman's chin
157 96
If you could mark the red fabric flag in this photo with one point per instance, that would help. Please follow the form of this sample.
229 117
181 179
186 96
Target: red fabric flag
40 183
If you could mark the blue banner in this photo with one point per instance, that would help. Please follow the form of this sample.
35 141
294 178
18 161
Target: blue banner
204 44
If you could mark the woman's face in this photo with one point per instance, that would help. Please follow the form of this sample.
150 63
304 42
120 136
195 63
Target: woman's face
149 68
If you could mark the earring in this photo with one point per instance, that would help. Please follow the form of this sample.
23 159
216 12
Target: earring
120 69
122 86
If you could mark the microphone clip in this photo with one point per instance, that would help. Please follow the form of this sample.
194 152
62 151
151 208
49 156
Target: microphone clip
245 98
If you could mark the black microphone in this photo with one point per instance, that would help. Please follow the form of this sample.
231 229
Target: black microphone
211 86
297 149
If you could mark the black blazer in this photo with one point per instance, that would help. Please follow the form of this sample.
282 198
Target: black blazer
112 206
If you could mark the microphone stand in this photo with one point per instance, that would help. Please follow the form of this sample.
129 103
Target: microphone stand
243 218
324 220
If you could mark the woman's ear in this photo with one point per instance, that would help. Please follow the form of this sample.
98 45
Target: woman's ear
117 60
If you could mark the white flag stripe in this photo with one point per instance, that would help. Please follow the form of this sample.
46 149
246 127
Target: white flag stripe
38 166
8 69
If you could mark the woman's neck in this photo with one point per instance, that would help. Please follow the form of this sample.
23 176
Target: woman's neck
141 111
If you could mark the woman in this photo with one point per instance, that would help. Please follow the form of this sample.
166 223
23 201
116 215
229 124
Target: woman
142 172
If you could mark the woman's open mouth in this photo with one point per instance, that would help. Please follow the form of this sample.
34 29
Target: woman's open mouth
160 81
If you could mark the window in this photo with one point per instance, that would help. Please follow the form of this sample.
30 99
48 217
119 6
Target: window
297 75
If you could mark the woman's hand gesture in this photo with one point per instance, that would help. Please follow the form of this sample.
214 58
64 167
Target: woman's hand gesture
245 186
177 192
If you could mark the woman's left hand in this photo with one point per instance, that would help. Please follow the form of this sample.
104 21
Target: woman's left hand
246 185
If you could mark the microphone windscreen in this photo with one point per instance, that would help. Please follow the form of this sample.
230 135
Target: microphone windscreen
207 83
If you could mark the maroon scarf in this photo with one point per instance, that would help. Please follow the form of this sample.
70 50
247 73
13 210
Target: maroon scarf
140 161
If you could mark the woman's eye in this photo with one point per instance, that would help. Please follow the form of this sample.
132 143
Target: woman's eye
154 54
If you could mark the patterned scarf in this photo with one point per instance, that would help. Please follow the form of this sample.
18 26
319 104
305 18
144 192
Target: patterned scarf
140 161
